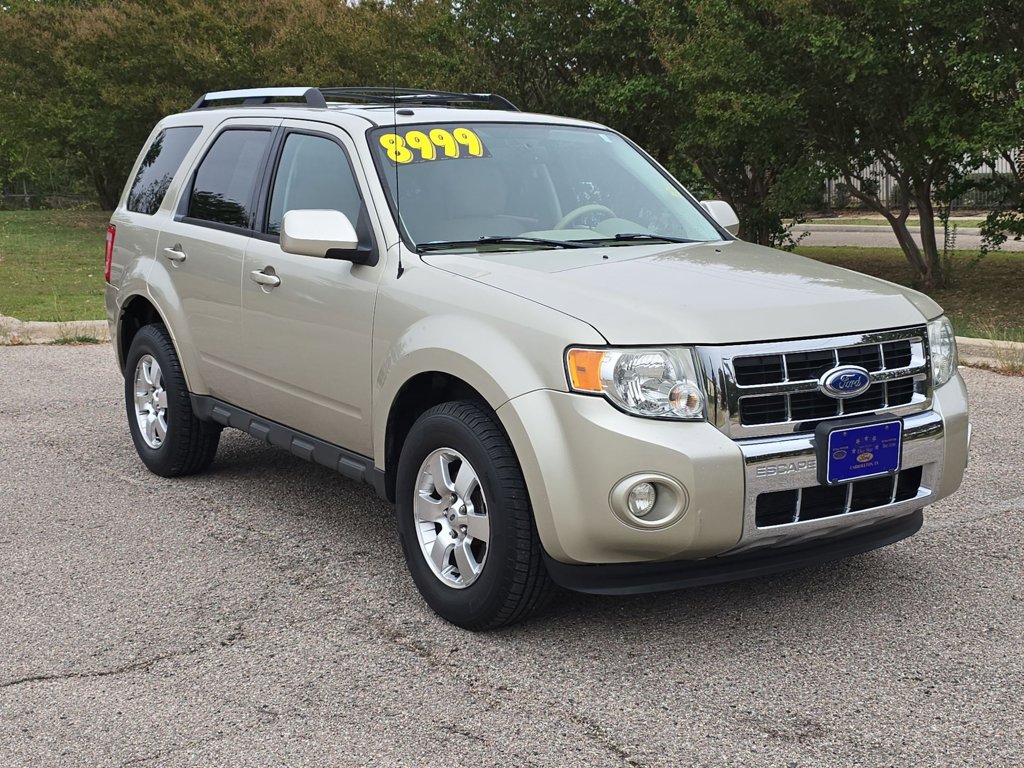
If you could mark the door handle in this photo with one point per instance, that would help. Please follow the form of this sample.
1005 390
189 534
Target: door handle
262 278
175 254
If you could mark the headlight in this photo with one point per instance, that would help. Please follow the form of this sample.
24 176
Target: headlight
942 347
659 383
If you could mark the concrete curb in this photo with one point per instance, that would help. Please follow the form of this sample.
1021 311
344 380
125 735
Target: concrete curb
989 353
14 332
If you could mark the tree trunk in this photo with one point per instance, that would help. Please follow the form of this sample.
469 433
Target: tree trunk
105 191
926 212
919 262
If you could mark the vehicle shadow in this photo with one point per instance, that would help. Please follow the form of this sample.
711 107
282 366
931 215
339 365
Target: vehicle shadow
355 535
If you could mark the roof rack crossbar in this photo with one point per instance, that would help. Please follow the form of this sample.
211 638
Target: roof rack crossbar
258 96
381 95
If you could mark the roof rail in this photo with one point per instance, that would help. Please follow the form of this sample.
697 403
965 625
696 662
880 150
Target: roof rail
257 96
317 97
384 95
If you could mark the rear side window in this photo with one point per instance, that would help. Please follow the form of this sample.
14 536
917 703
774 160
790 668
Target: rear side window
158 167
223 188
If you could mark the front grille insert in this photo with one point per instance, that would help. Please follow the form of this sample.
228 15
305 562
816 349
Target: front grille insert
805 406
821 501
782 388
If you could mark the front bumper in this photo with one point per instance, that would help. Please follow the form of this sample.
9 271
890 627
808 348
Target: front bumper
639 578
573 449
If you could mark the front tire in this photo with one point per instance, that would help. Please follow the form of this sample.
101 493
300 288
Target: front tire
169 438
465 521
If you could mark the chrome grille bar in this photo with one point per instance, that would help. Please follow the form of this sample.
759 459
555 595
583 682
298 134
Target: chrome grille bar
789 405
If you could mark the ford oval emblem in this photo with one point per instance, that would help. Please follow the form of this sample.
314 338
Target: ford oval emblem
845 381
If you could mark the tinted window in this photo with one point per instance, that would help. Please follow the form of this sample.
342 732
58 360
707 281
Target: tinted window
222 191
314 172
158 168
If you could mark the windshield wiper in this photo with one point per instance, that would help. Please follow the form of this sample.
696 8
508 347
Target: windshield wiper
625 237
438 245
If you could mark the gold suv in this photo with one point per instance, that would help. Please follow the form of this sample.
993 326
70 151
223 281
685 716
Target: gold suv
559 365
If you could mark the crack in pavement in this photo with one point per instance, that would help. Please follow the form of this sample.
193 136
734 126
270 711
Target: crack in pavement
597 733
268 717
143 665
236 634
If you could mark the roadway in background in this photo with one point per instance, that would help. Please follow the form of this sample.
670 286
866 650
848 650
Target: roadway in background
882 236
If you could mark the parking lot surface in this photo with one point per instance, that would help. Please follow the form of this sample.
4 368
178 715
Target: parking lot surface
261 615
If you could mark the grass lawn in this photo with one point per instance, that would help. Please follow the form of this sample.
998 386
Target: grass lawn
51 265
51 268
985 299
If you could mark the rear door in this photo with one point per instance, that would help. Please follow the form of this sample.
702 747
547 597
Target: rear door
203 247
308 339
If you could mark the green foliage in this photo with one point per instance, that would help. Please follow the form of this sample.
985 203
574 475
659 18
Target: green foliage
752 101
736 81
903 84
86 82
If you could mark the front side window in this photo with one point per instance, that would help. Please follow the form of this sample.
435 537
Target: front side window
223 188
314 173
457 183
161 162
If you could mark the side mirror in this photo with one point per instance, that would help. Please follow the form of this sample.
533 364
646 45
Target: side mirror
322 233
723 213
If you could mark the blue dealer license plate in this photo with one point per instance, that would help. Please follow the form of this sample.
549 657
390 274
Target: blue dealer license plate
857 452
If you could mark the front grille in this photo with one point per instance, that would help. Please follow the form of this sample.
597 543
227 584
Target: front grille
773 388
820 501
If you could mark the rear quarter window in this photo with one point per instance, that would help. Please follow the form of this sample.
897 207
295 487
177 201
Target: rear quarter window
160 163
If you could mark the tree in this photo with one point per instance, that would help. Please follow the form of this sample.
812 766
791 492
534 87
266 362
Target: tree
667 75
88 80
885 98
737 78
992 68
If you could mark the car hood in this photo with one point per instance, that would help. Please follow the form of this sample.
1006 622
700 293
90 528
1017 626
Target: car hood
704 293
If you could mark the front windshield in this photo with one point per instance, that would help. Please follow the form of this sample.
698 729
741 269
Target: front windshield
561 185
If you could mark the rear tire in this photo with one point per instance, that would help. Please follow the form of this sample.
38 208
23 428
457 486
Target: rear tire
169 438
465 521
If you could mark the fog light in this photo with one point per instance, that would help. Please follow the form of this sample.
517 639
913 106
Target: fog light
648 500
641 499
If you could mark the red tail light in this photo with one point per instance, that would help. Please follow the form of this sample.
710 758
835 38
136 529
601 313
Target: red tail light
111 232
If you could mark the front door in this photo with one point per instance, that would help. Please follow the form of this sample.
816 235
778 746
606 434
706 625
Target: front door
308 339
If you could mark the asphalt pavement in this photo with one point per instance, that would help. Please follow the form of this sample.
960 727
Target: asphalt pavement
261 615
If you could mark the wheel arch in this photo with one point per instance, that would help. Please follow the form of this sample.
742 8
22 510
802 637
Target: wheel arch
141 309
417 395
453 356
136 313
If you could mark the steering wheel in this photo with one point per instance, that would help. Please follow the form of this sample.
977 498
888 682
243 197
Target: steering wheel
572 215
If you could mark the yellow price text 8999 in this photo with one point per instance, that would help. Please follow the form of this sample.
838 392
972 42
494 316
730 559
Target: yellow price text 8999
437 143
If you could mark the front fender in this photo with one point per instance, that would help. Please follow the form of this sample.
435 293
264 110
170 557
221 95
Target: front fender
500 344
